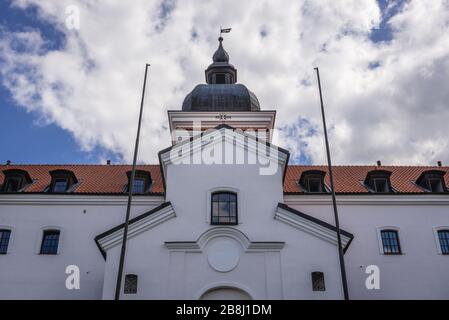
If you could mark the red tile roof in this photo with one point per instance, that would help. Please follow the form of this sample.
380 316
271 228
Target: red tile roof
93 179
347 179
112 179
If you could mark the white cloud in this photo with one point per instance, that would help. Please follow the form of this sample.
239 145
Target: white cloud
396 112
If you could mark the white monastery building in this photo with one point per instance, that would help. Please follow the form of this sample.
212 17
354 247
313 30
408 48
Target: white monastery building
224 216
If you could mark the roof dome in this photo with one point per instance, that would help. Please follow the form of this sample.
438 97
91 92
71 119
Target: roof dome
221 93
220 55
220 97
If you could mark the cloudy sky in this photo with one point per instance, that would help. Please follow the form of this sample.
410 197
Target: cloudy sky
71 95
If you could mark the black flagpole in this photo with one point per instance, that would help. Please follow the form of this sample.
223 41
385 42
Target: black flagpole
334 201
130 194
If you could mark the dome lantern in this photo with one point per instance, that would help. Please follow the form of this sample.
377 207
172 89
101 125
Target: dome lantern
221 92
221 71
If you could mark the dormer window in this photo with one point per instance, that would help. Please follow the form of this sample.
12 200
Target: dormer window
378 181
435 185
142 181
432 181
15 180
62 181
381 185
312 181
12 184
139 185
60 185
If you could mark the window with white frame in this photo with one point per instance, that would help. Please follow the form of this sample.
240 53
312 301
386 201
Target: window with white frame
443 241
224 208
50 242
390 242
5 235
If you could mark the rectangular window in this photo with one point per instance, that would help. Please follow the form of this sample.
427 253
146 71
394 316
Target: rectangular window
381 185
390 242
4 241
50 242
224 208
220 79
314 185
435 185
130 284
443 237
139 185
12 184
60 185
318 281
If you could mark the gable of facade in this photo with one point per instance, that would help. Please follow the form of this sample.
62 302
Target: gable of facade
189 264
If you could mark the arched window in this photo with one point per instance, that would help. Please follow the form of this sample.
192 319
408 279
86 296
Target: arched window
390 241
50 242
224 208
443 238
5 234
130 284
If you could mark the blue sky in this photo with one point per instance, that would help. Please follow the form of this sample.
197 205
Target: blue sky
40 140
37 141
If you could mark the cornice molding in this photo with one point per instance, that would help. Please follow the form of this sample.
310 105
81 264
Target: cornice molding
368 199
185 120
259 119
229 232
45 199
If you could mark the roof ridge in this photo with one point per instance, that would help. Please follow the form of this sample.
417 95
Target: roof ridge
367 165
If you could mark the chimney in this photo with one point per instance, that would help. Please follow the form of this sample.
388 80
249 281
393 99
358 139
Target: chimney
439 163
108 162
8 162
379 163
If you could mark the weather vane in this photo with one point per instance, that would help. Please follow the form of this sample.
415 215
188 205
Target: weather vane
225 30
